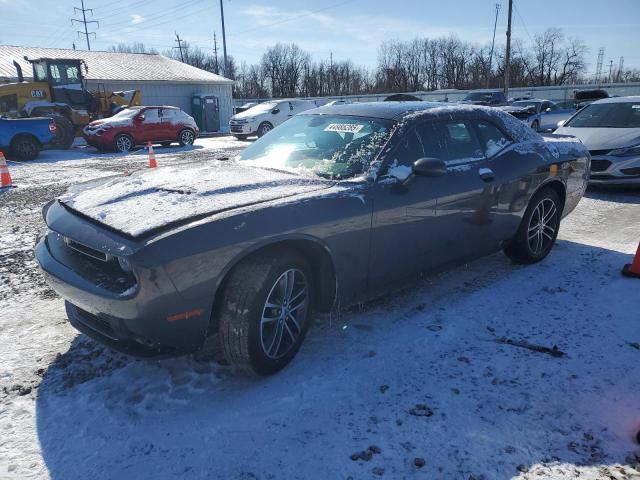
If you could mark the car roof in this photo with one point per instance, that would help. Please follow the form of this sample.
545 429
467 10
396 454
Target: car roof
386 110
630 99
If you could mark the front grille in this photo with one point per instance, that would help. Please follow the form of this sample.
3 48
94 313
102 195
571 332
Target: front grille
599 152
599 165
88 251
235 128
631 171
95 322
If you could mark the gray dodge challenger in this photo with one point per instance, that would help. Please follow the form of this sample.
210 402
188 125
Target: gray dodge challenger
335 206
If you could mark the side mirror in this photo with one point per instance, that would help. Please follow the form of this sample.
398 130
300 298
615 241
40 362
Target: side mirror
426 167
561 123
429 167
275 111
140 118
548 109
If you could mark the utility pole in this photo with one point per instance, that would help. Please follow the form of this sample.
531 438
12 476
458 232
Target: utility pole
216 67
507 57
493 42
85 22
224 39
610 69
620 69
331 72
598 78
179 47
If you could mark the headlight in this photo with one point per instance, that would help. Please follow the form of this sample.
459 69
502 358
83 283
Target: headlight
125 265
626 152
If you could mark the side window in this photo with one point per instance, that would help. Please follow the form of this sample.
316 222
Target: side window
151 115
459 143
492 138
408 151
553 106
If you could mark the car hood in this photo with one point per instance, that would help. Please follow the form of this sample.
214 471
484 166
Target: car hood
603 138
157 199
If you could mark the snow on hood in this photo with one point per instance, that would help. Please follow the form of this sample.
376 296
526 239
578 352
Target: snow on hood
255 111
156 198
603 138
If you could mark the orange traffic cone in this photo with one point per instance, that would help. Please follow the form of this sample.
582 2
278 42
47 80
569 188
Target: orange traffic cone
5 176
152 156
633 269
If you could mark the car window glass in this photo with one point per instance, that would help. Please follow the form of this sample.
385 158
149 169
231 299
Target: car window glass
409 150
460 144
168 114
151 115
552 106
492 138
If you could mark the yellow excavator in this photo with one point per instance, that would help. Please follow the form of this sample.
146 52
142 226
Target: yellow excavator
59 91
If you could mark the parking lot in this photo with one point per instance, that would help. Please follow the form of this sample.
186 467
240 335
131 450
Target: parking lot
488 371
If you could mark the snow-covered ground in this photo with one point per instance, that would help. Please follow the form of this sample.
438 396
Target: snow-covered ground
448 371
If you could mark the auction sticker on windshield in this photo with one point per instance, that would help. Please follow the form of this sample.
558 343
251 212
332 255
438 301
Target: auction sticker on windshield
343 127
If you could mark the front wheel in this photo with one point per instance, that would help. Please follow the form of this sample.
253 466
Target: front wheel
535 126
264 128
123 143
265 311
538 230
241 137
186 137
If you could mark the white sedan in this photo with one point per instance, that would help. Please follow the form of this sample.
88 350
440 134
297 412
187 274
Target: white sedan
610 129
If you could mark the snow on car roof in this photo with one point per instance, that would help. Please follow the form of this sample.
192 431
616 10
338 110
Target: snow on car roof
630 99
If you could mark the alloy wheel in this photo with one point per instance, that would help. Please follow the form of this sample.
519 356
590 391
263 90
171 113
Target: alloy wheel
123 143
187 137
27 149
542 226
284 313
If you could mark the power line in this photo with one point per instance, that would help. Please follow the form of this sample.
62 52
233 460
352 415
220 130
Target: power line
85 22
522 21
493 42
295 17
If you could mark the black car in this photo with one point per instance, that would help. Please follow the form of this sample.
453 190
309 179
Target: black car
335 206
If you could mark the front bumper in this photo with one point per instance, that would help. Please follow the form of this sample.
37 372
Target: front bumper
140 320
612 170
241 128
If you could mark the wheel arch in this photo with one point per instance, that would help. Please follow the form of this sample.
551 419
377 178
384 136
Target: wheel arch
25 135
316 253
557 186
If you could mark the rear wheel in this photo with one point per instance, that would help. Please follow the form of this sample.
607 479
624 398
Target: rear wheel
25 147
186 137
265 311
539 228
122 143
65 133
264 128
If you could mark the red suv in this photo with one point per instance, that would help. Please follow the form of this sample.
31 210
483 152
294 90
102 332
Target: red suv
139 125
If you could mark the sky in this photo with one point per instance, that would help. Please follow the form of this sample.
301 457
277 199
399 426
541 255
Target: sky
346 29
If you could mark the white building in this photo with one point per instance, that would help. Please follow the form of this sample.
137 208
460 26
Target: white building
161 80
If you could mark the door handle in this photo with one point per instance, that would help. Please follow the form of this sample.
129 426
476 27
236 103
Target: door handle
486 174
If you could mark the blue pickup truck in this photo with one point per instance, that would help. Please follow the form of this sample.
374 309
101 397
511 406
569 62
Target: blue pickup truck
23 138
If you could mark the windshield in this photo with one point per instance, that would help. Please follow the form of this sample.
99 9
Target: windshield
479 96
525 104
608 115
126 113
263 107
330 146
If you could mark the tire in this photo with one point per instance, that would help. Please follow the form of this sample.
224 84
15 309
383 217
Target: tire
534 240
535 126
264 128
241 137
25 147
247 341
166 144
65 132
186 137
123 143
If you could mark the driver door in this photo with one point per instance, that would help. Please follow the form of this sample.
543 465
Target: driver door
432 221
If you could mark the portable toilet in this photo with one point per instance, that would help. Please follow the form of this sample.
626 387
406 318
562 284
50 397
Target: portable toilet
205 110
